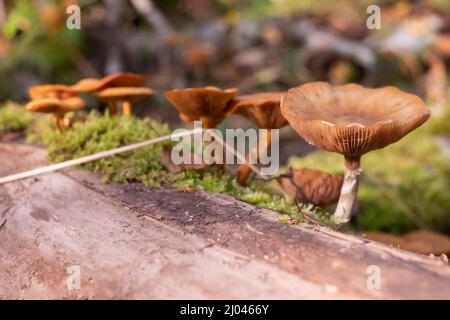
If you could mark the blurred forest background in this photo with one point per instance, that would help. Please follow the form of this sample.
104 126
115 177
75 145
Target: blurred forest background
257 46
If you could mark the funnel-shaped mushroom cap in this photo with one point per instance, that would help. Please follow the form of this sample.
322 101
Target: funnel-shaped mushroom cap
86 85
261 108
125 93
54 105
119 79
122 79
313 186
195 103
351 119
50 91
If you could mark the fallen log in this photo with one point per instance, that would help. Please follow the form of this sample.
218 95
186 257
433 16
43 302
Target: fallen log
68 235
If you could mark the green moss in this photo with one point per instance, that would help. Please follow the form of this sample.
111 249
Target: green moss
402 187
99 133
13 117
441 125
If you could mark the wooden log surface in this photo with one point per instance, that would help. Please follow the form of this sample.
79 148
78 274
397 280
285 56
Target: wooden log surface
131 242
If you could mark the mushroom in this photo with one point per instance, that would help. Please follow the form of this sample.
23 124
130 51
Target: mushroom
312 186
58 107
351 120
59 91
86 85
119 79
126 95
122 79
208 104
264 110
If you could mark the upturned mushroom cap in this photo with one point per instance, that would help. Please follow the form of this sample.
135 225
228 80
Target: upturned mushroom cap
86 85
124 93
261 108
122 79
350 119
195 103
119 79
54 105
313 186
50 91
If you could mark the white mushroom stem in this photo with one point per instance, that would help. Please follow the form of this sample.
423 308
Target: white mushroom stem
349 191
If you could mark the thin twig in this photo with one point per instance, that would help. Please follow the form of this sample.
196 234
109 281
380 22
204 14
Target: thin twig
238 155
94 157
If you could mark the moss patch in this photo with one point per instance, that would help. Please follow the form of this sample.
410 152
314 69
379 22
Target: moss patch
441 125
403 186
99 133
13 117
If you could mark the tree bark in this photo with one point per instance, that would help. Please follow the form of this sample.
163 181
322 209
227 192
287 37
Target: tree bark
132 242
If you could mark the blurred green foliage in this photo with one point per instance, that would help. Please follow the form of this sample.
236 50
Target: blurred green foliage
13 117
41 47
441 124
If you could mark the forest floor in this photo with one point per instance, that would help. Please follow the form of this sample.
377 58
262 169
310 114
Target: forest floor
130 241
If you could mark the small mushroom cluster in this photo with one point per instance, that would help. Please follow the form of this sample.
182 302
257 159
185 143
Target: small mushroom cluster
211 105
349 119
263 109
57 99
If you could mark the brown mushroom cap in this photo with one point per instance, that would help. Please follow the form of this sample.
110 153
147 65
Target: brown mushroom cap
195 103
50 91
124 93
350 119
54 105
122 79
313 186
119 79
86 85
261 108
